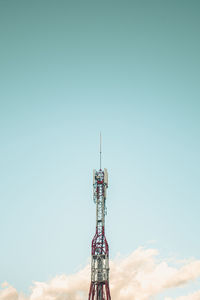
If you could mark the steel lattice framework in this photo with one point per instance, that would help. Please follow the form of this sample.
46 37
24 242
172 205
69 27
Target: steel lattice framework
99 287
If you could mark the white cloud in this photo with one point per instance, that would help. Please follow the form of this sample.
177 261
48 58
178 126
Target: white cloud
8 292
138 276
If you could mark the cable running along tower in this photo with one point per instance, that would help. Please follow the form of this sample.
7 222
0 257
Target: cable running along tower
99 287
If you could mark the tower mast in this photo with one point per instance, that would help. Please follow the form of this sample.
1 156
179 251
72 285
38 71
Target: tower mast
99 287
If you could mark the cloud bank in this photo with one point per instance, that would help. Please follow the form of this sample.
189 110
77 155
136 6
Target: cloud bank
138 276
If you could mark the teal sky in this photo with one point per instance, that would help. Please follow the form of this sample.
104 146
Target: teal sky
68 70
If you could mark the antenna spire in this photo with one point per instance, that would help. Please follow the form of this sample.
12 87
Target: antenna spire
100 150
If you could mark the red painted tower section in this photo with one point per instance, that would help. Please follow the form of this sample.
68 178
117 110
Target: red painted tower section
99 287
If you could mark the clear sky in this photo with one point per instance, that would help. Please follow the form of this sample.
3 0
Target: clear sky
68 70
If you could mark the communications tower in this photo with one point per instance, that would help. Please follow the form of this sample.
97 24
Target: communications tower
99 287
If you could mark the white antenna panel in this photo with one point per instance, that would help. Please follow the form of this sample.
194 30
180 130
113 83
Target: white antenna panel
94 172
106 177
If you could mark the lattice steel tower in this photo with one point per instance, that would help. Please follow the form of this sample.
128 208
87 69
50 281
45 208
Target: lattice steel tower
99 287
